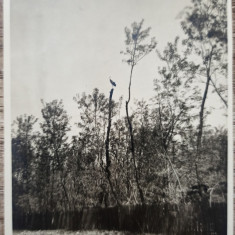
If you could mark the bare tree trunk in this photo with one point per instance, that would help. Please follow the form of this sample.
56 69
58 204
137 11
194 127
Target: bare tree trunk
201 115
108 161
132 142
201 125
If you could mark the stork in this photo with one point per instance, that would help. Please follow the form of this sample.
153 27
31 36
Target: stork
112 82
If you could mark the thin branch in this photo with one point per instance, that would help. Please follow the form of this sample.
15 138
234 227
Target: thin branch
219 94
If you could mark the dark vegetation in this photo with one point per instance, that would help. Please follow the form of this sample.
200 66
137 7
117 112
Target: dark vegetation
160 219
162 168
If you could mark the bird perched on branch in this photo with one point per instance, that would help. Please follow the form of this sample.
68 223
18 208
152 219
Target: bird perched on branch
112 82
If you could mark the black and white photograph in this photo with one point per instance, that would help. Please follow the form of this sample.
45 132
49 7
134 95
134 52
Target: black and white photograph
119 117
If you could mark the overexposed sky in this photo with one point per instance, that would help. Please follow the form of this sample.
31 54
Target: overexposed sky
63 47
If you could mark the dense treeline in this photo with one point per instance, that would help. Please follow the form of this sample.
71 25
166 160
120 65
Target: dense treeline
161 152
54 174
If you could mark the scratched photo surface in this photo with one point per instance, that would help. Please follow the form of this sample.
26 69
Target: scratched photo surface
119 116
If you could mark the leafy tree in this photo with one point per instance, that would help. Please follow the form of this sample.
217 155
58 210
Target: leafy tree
92 130
42 178
55 127
205 25
93 120
136 50
23 156
76 170
175 100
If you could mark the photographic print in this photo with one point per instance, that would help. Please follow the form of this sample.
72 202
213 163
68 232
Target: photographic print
119 116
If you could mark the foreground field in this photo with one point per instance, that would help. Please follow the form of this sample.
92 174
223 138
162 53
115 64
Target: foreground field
63 232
